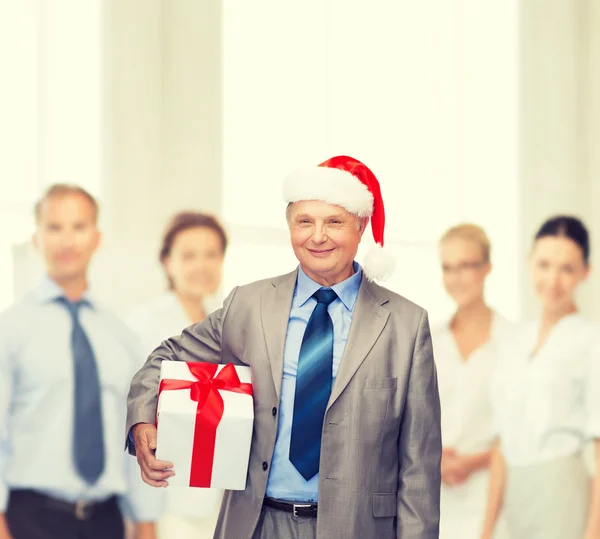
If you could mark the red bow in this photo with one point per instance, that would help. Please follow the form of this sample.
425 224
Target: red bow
205 391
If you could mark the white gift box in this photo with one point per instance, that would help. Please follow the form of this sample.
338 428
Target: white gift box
189 451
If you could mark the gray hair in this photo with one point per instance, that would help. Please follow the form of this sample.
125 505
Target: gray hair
60 190
288 215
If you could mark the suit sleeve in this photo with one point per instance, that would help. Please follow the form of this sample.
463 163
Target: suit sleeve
199 342
420 445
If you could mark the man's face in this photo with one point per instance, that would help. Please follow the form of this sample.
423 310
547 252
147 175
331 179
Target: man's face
67 235
325 239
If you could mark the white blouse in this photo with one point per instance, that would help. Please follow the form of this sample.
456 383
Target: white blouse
548 405
154 322
161 318
464 388
465 396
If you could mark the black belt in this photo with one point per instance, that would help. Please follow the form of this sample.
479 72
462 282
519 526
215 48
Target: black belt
297 509
81 510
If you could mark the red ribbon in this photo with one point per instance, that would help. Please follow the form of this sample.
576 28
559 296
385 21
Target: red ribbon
205 391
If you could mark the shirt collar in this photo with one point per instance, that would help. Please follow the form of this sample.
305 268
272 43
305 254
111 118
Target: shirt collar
48 290
347 290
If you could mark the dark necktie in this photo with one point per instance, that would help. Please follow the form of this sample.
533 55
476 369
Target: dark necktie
88 439
313 387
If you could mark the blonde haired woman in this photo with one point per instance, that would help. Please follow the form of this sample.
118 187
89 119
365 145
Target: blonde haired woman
546 398
465 350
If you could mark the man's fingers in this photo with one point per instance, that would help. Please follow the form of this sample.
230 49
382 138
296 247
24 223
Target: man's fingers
153 464
147 447
144 435
150 435
146 455
154 472
152 483
153 468
157 475
150 474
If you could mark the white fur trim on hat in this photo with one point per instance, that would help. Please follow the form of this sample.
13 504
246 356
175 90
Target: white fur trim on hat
379 263
330 185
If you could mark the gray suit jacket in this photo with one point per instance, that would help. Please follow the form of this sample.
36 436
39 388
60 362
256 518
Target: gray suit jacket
379 475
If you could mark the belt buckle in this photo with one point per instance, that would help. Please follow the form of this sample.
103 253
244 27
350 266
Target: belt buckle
81 508
297 506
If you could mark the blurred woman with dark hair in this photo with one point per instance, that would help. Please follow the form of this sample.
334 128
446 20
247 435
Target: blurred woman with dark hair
546 401
192 254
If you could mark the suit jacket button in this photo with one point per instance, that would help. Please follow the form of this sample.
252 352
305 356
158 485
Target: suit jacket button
265 466
274 412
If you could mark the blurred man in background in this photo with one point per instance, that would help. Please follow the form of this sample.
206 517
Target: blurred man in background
65 367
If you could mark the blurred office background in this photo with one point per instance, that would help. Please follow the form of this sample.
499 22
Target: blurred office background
485 111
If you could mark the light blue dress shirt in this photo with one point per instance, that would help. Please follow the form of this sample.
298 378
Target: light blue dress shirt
36 402
285 482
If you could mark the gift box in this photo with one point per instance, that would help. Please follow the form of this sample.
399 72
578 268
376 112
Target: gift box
205 415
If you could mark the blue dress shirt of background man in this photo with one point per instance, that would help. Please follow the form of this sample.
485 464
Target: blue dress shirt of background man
65 367
347 441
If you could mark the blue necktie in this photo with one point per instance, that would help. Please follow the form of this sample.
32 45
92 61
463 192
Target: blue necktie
313 387
88 439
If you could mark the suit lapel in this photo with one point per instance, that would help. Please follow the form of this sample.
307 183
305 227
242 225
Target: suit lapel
276 303
368 322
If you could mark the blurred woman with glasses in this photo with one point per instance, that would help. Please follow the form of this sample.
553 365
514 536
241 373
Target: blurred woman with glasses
465 350
546 399
192 253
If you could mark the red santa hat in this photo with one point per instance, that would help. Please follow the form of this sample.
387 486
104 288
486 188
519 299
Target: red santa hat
346 182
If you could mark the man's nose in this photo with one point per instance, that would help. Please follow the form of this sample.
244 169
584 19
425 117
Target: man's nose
319 234
67 239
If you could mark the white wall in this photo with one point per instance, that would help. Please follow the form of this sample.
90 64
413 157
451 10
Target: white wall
130 109
424 93
191 134
162 135
591 114
560 124
51 110
69 127
18 111
160 105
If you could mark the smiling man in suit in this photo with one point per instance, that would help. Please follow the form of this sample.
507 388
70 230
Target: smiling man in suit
347 437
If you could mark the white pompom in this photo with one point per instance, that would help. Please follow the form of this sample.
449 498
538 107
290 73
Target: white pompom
379 264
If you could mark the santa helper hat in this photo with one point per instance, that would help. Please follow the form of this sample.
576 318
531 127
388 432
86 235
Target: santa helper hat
346 182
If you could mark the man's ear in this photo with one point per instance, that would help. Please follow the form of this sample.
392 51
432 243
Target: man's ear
364 221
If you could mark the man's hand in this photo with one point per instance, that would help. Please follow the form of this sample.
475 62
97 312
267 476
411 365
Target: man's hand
154 472
456 469
145 530
4 533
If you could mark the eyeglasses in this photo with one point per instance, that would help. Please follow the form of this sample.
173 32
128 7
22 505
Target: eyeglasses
463 267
